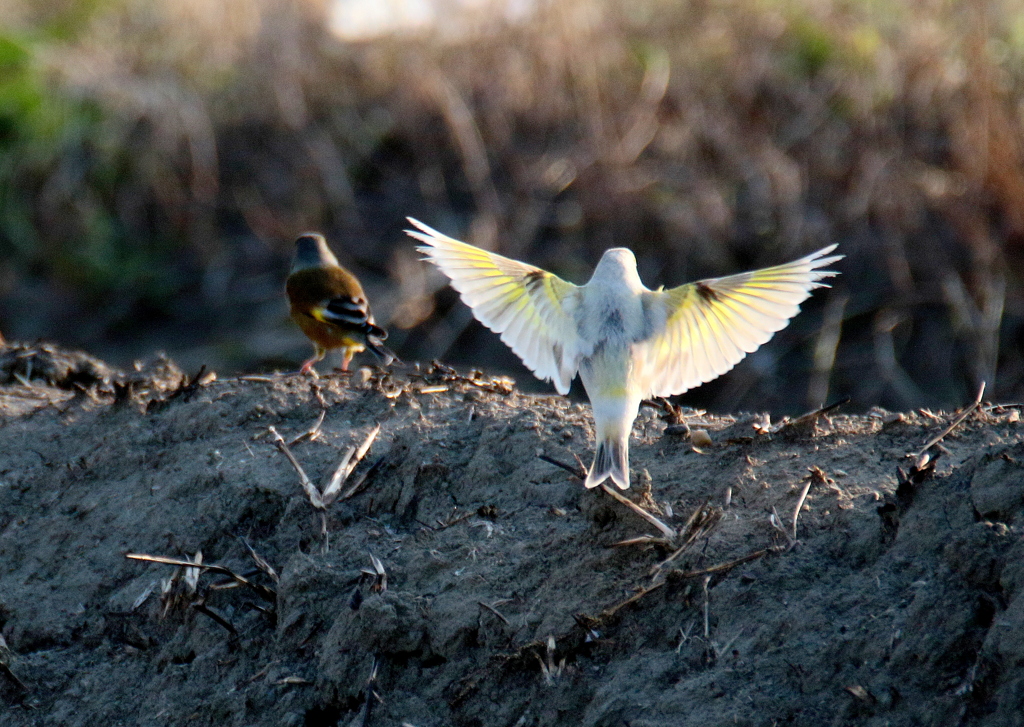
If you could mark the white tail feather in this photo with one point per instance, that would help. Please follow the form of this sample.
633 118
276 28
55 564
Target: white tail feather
610 460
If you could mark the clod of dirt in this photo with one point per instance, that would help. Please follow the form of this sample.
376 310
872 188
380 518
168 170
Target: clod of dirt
53 366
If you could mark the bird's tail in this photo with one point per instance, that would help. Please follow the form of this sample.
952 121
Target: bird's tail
378 349
611 460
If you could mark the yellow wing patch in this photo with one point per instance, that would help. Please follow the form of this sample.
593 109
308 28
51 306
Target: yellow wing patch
531 308
705 328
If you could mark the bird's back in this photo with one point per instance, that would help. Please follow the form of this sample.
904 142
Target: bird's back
611 314
313 286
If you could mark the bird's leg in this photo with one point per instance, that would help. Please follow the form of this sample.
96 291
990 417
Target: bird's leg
307 367
346 359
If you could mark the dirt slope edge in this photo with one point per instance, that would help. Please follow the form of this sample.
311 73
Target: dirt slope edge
504 602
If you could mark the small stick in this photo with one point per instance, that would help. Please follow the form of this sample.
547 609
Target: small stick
319 394
14 678
776 522
192 573
495 611
812 415
262 564
722 567
378 574
665 529
26 394
347 465
298 681
567 467
764 425
581 474
364 448
265 593
313 432
309 488
700 523
800 503
642 540
371 695
611 611
204 609
445 525
707 608
963 415
361 480
338 478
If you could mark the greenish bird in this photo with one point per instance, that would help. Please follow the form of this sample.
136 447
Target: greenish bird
328 304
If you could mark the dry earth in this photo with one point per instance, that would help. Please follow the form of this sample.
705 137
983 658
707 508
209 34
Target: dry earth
469 582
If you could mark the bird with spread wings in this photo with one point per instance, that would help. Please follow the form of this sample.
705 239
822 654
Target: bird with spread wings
626 342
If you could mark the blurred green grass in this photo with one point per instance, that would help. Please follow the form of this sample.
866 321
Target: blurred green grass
158 158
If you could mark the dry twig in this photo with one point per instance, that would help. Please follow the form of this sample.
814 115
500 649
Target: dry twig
378 576
307 485
267 594
353 456
20 685
800 503
259 561
762 424
547 665
575 471
371 695
665 529
953 425
495 611
581 473
701 523
345 468
362 479
313 432
721 567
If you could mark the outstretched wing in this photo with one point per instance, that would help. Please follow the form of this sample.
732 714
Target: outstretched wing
531 308
703 329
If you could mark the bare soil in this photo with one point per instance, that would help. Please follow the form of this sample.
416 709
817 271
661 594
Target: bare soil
470 582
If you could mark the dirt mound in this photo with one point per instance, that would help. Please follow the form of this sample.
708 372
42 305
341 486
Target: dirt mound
459 579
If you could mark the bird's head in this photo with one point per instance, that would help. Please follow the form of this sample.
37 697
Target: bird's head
311 251
617 266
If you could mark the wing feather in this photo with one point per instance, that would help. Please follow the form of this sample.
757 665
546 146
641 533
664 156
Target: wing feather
710 325
531 308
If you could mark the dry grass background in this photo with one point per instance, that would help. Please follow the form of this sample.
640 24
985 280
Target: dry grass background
157 159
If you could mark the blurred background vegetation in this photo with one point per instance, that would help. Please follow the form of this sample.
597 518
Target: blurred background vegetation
158 157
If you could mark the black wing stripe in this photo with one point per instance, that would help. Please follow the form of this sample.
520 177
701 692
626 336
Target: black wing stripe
353 312
353 305
357 321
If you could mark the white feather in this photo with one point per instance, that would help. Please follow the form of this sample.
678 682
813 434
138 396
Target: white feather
529 307
710 325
